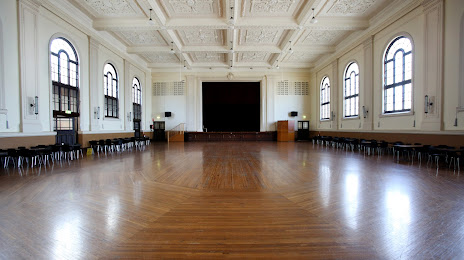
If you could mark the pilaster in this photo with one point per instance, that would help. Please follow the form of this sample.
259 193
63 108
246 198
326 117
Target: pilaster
433 64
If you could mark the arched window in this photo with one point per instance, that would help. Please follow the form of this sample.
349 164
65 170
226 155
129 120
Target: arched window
137 99
325 98
64 69
351 90
397 84
110 81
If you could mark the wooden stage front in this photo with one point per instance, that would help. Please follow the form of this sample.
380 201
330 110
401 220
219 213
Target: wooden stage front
230 136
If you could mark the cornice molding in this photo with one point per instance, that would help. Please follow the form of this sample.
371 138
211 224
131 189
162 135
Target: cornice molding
70 21
398 9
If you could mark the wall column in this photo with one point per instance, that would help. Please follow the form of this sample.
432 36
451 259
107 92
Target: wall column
28 12
433 67
368 84
271 83
193 115
95 89
334 86
127 97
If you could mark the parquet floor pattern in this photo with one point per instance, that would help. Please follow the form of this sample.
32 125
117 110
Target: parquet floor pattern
237 200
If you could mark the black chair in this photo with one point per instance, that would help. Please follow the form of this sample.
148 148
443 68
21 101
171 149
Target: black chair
12 155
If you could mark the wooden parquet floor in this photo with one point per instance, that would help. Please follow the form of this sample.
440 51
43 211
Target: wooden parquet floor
234 200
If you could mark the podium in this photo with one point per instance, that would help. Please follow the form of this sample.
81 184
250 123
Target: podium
286 131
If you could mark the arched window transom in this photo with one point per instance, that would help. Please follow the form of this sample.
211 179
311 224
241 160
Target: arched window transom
325 98
397 79
351 90
110 82
136 99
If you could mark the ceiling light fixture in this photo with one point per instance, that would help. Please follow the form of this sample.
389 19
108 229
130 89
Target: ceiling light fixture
277 66
313 20
231 20
150 21
290 50
172 48
185 67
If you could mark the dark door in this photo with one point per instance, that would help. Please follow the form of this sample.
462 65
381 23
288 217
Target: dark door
66 130
137 128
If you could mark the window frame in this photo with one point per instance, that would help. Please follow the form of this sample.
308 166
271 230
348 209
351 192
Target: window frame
73 92
328 95
136 99
357 88
391 42
114 97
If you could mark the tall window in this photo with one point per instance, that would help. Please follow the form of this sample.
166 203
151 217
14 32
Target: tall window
325 98
397 85
65 80
351 90
111 90
136 99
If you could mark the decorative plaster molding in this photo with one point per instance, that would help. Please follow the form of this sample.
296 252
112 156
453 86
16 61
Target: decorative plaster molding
160 57
208 57
143 37
201 36
303 57
271 6
253 56
349 7
429 4
111 8
326 37
262 36
192 6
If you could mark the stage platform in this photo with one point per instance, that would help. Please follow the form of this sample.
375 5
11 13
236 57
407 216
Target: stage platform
230 136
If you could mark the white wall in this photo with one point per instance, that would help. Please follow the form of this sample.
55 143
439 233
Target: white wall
453 69
188 109
28 72
423 25
9 81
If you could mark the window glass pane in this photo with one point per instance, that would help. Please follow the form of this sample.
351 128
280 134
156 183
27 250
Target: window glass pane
54 67
115 91
399 98
408 67
64 68
407 96
389 73
398 67
390 99
73 74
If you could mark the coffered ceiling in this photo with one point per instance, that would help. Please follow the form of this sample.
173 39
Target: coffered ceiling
220 34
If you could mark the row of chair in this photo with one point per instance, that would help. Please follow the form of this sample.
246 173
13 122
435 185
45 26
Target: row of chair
38 155
434 154
118 144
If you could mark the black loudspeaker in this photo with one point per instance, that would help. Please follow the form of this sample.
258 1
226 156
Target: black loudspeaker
167 114
293 113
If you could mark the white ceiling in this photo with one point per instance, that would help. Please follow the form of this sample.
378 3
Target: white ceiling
202 34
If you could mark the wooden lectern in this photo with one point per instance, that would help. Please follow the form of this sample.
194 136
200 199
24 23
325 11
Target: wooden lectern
286 131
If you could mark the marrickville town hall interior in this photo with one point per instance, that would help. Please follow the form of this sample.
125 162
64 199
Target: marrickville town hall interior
231 129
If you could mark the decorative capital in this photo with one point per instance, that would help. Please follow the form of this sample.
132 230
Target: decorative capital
430 4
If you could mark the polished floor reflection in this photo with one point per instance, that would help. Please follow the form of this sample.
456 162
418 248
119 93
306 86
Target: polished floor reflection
232 200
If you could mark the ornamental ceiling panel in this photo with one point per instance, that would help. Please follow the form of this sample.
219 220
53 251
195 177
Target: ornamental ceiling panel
111 8
329 37
210 57
195 37
266 8
301 57
363 8
253 56
160 57
262 36
193 8
142 37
